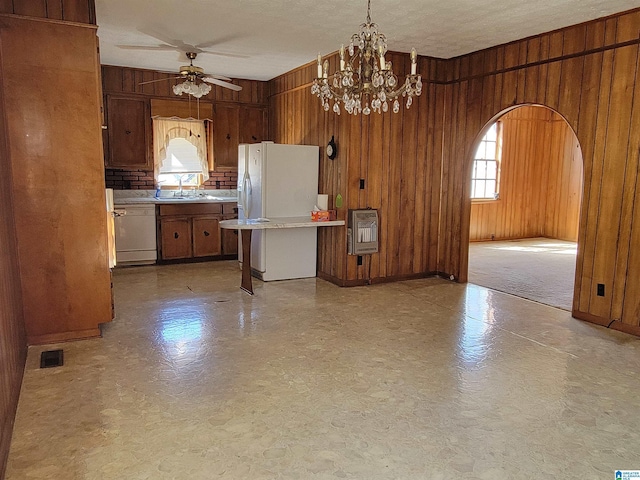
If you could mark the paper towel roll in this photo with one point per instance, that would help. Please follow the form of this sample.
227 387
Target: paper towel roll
323 202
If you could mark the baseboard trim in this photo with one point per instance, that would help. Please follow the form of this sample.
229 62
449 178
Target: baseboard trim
360 282
63 336
331 279
606 322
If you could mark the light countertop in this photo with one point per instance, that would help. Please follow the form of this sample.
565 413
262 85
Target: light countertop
279 222
137 197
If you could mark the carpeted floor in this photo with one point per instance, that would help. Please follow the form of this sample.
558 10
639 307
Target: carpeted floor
539 269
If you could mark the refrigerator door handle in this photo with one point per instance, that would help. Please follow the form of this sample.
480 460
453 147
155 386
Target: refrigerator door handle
246 195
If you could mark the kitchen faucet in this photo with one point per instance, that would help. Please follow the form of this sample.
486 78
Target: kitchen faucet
179 193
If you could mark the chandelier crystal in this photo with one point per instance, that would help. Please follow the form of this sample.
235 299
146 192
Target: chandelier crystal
190 87
365 81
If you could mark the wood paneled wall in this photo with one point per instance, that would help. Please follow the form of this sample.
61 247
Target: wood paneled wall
540 180
588 73
13 344
563 182
384 150
416 164
80 11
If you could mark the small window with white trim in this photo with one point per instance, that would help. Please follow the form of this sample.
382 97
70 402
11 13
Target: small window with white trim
485 176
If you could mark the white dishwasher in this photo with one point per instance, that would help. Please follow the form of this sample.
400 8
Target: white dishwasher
135 227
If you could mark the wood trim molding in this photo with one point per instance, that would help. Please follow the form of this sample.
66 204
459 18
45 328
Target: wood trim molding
331 279
614 324
360 282
48 20
63 337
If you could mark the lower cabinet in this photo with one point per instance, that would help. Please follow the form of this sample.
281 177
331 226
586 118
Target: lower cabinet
206 237
230 238
193 231
175 238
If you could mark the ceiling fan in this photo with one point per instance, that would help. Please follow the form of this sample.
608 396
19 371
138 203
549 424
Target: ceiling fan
191 74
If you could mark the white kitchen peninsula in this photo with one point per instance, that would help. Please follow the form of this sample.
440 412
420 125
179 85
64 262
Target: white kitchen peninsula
246 226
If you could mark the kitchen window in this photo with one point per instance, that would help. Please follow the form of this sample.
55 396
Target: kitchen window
486 165
180 152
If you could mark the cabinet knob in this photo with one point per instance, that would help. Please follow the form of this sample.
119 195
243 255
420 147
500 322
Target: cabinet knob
228 136
176 234
127 132
206 234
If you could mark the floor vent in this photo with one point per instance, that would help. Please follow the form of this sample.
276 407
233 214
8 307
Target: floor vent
51 358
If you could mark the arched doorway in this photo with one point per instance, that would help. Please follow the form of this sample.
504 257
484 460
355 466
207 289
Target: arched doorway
526 188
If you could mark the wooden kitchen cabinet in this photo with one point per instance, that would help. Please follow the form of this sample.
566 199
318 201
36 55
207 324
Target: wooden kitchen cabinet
229 238
193 230
252 125
226 137
128 133
206 237
176 238
233 125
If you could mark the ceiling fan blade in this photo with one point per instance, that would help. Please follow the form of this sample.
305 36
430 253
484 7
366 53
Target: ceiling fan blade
147 47
221 83
218 41
160 80
219 77
220 54
176 44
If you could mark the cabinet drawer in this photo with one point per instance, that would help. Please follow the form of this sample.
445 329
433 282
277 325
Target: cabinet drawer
230 208
191 209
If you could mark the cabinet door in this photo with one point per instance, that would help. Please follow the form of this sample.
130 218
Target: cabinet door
176 238
252 124
226 137
128 132
206 237
229 238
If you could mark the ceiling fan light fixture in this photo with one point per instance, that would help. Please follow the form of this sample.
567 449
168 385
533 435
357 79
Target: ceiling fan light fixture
194 89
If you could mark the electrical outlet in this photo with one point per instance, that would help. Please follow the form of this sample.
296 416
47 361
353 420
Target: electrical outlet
600 291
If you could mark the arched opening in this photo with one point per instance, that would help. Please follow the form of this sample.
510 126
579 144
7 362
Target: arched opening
526 188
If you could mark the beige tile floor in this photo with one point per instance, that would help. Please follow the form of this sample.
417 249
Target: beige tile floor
424 379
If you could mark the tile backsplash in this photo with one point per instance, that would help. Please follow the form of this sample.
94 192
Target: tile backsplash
120 179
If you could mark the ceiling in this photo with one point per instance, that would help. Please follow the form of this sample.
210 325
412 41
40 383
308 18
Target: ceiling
261 39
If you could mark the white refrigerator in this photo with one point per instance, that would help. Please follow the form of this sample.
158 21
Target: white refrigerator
276 180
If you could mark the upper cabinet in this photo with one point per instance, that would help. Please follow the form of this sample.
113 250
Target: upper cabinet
253 124
129 133
226 137
233 125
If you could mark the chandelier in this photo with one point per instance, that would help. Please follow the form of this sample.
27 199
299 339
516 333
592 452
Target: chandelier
190 87
365 81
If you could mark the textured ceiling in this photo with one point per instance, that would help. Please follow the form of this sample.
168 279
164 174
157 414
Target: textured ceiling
268 38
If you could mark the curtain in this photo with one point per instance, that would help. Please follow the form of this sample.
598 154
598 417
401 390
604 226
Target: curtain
166 129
